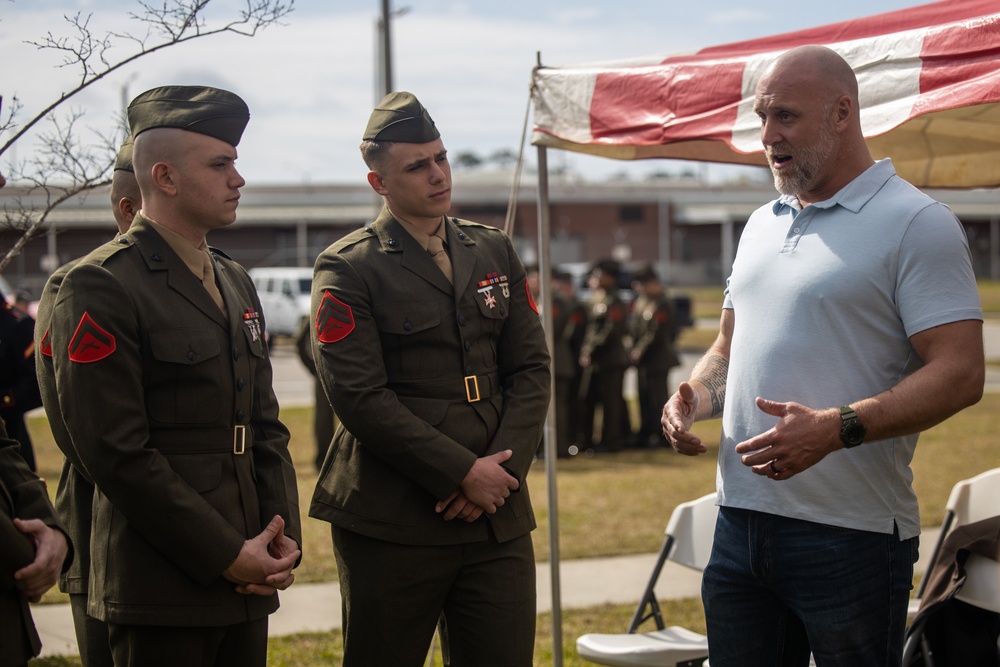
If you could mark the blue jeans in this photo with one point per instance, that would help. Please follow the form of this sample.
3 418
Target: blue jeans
777 588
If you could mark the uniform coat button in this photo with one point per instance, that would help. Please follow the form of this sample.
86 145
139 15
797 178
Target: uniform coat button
236 354
467 345
240 383
240 416
469 370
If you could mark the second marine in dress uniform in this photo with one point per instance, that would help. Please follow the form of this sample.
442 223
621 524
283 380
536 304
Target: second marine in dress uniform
439 373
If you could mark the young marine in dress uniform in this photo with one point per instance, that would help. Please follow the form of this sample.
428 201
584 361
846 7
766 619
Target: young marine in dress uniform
164 383
439 372
75 494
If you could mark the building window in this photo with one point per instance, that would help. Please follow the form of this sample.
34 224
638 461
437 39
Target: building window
631 214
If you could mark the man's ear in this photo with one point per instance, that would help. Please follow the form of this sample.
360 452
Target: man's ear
163 178
844 112
377 182
127 207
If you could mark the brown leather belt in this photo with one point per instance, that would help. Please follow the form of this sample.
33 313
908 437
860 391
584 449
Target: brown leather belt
237 440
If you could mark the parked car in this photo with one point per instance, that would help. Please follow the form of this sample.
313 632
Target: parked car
284 296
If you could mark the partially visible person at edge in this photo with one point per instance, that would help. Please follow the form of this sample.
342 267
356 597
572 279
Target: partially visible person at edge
851 322
604 360
438 370
195 520
18 382
324 418
74 496
35 550
652 327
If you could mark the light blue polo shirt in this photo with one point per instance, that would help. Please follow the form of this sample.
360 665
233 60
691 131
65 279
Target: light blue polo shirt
825 299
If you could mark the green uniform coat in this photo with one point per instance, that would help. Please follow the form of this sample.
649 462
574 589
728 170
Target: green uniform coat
401 340
152 378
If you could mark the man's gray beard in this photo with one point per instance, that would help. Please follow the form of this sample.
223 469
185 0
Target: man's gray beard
792 185
807 164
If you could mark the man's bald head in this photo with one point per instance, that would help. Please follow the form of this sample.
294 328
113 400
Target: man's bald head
814 67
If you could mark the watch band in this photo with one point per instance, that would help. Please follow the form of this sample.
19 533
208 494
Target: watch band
847 413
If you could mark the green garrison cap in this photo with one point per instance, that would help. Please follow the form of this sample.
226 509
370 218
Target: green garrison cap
212 111
645 274
608 266
124 160
401 117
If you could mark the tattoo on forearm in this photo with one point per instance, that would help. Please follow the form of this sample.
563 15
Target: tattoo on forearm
713 375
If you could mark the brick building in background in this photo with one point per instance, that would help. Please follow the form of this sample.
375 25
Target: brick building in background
689 229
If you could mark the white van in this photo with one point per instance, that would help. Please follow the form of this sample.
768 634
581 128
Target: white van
284 296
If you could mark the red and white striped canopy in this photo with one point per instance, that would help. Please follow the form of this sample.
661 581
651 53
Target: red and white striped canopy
929 79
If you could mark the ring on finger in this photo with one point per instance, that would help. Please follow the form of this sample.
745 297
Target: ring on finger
774 469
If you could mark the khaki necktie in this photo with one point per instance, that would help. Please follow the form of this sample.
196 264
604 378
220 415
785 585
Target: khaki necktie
435 246
208 280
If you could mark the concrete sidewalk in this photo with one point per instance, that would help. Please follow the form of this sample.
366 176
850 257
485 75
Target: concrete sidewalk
584 583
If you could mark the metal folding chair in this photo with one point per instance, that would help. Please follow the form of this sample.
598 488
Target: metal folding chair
688 542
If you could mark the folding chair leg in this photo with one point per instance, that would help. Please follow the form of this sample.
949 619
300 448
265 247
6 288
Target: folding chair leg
649 596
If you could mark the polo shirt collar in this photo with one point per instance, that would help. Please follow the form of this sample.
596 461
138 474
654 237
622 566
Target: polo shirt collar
852 196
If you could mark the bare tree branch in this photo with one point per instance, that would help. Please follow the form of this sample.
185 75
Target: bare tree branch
63 156
177 21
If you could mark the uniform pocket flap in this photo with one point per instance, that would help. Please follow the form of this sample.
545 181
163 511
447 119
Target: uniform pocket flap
409 318
184 346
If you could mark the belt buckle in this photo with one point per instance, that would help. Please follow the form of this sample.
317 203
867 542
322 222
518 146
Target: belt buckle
239 439
472 388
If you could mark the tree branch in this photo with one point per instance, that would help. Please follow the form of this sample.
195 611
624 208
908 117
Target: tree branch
62 157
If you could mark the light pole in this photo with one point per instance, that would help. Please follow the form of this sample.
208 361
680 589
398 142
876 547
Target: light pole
383 56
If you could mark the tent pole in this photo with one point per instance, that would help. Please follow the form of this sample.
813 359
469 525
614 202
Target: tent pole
549 439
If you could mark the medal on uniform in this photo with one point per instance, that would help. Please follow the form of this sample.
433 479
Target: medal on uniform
252 319
488 298
486 287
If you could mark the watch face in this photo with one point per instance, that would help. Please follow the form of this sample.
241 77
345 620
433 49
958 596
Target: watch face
853 433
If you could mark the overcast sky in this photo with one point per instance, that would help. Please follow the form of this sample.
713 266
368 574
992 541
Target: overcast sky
310 83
